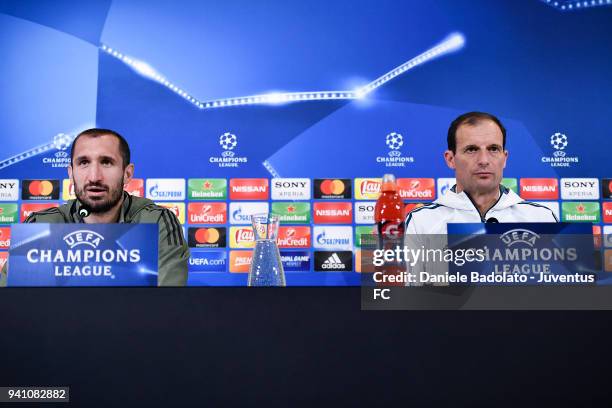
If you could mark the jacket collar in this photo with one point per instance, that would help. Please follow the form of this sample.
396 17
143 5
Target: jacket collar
124 217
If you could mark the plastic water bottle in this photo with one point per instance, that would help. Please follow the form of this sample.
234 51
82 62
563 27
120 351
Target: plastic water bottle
266 267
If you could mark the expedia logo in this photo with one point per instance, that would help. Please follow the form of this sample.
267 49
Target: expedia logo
83 237
519 236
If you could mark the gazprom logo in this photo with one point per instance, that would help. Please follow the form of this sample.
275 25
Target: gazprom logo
83 237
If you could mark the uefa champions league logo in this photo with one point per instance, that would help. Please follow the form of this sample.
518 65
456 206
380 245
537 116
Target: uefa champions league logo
559 142
394 142
61 142
228 142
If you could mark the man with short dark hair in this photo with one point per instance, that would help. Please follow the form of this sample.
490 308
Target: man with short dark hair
477 152
99 170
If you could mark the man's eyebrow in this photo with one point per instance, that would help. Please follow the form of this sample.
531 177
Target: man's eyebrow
81 158
107 158
470 146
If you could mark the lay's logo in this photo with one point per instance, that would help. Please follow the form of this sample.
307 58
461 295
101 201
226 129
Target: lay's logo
242 237
367 188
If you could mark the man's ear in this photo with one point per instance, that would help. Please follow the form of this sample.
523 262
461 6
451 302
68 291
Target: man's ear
70 174
449 158
506 159
128 173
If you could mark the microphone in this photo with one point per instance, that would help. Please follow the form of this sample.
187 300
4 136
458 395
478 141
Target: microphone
84 211
492 220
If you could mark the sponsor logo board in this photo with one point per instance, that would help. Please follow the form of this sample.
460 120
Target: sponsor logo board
364 261
207 261
240 261
333 238
293 237
579 189
367 188
333 261
539 188
207 189
332 189
607 212
5 237
212 237
333 213
242 237
606 189
8 213
207 213
608 260
295 261
9 189
240 213
40 190
292 213
68 190
416 188
291 189
364 212
166 189
249 189
580 211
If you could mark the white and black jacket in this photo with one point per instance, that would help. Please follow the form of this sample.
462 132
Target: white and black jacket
459 208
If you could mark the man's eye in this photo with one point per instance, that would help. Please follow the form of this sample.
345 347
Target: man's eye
471 149
494 149
106 162
83 162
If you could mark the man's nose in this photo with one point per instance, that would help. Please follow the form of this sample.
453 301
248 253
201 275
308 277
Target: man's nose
95 173
483 158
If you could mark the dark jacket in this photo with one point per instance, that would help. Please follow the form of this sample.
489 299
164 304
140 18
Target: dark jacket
173 250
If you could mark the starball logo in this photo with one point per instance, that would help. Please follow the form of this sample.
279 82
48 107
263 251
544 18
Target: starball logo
228 142
61 158
394 142
559 158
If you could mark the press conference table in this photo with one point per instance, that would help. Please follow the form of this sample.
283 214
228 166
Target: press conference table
290 346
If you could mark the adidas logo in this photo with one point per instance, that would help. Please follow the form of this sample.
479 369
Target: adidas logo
333 262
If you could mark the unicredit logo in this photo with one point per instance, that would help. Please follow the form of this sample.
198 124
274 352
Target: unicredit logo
294 237
207 213
416 188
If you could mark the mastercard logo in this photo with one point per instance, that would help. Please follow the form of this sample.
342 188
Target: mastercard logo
40 188
334 187
207 235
